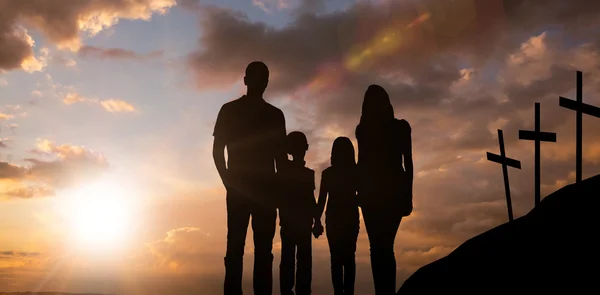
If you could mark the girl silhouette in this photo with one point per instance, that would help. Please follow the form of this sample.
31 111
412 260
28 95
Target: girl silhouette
341 218
385 172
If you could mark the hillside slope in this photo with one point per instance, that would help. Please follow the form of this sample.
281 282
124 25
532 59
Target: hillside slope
551 248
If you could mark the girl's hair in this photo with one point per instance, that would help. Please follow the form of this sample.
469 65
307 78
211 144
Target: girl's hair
376 105
342 152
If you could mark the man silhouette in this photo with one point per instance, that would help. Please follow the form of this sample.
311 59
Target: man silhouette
253 131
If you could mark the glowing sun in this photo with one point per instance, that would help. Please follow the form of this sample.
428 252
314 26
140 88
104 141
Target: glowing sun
100 214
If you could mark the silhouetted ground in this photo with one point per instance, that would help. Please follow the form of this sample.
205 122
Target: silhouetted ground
552 248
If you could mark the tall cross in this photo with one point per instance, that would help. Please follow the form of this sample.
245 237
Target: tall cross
505 161
581 108
537 136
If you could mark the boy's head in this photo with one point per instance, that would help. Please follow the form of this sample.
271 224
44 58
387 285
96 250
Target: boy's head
297 145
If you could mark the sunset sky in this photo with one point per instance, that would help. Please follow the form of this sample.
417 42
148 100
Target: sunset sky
107 109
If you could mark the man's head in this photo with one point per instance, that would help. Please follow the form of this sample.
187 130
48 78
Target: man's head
297 145
257 77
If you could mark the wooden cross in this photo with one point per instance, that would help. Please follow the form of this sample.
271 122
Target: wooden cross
580 108
537 136
505 161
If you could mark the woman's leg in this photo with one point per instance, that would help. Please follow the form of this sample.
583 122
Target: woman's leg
389 261
382 225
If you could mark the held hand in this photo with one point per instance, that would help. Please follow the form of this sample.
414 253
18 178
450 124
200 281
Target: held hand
317 229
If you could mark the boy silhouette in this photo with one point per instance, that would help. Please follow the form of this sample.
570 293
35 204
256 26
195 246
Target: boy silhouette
296 213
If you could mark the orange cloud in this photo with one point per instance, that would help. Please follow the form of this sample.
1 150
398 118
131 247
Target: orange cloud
184 250
110 105
116 106
6 116
68 165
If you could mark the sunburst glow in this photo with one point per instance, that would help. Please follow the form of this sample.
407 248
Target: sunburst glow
100 215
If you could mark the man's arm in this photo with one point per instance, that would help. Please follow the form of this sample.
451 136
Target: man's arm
219 157
219 143
280 152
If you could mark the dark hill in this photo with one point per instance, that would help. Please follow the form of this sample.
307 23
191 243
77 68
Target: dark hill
553 248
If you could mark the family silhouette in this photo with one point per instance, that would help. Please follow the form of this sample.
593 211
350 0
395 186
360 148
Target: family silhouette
260 180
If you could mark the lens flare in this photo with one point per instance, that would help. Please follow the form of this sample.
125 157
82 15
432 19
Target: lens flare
385 43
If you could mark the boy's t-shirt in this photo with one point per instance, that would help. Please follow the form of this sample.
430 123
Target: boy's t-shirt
298 205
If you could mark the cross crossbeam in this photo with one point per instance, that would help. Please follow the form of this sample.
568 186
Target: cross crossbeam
580 108
537 136
506 162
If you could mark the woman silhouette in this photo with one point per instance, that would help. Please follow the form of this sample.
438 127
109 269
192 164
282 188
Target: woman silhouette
342 221
385 181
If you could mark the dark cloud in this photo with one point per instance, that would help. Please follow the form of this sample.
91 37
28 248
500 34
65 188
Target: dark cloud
116 53
62 24
425 63
9 171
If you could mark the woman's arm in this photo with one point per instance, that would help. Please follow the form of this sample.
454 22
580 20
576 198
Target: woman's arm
408 164
407 157
323 190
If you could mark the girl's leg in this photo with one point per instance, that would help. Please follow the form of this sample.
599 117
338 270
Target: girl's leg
350 262
337 270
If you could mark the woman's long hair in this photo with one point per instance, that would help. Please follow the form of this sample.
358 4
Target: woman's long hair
376 106
342 153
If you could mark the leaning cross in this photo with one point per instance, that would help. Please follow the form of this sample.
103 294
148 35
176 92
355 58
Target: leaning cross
537 136
580 108
502 159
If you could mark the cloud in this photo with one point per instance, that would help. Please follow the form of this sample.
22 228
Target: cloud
6 116
57 167
8 170
10 254
73 97
33 64
117 106
185 250
62 26
270 5
110 105
117 53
